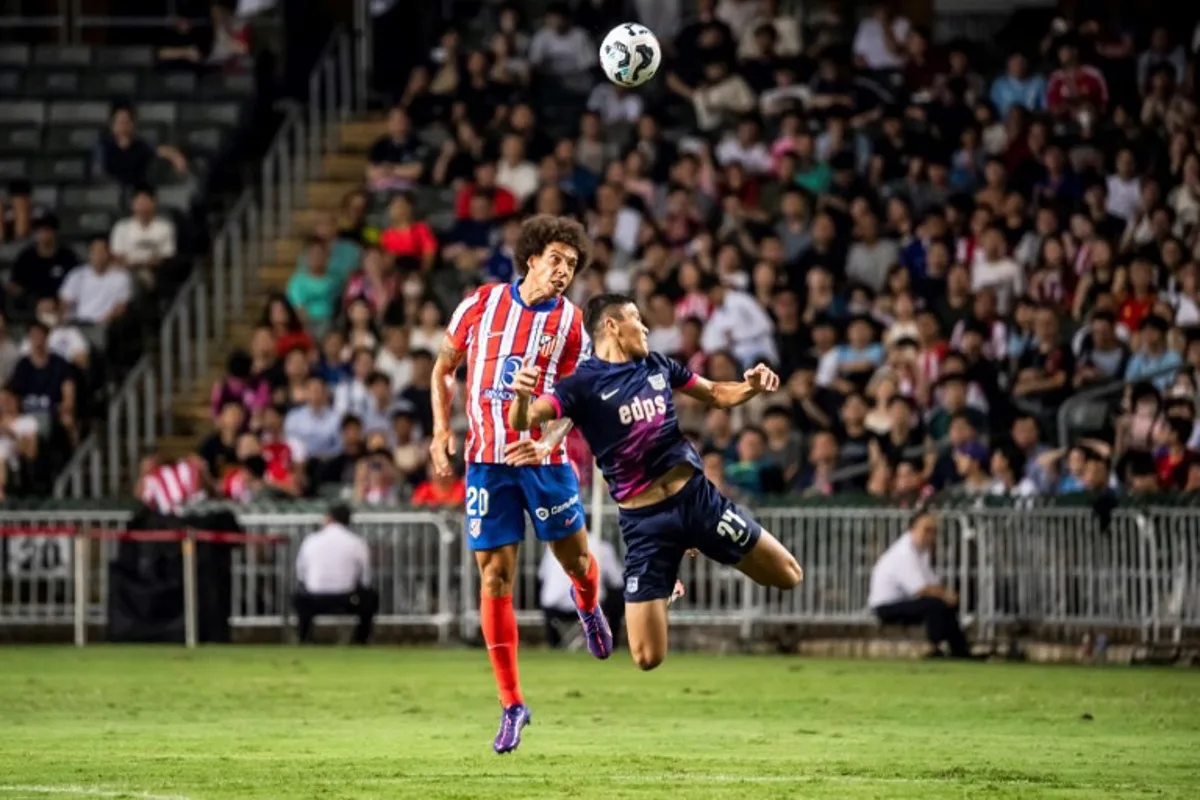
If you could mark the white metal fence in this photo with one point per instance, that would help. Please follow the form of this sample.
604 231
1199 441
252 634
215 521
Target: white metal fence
1050 572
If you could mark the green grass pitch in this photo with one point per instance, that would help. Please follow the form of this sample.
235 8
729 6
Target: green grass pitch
242 722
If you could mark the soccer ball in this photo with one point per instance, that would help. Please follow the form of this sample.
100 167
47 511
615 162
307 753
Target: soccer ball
630 54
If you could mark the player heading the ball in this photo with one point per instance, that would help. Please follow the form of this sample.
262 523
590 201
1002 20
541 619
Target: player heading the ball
621 400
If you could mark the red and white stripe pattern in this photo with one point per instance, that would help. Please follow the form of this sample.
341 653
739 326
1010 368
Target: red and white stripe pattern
169 488
499 334
236 486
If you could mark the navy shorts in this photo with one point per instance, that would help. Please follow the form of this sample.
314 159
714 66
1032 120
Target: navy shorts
499 496
656 537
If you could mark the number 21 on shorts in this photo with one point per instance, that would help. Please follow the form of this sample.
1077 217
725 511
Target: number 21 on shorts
732 526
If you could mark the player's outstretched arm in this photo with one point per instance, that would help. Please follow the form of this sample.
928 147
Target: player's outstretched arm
728 394
443 445
524 412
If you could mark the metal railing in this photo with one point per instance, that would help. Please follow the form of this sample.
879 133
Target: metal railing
195 326
1048 573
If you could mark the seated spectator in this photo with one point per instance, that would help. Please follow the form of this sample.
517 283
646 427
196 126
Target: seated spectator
411 451
45 383
396 161
42 266
10 354
718 98
1154 359
951 402
906 591
313 292
817 477
353 227
878 41
219 448
1075 88
740 324
98 292
752 474
994 269
375 284
972 461
18 213
406 237
344 256
286 328
1102 357
1044 371
444 492
470 241
499 266
848 367
376 480
353 396
143 241
286 458
514 171
125 157
430 328
393 359
1173 458
333 569
504 203
18 441
240 386
339 470
359 330
316 425
561 50
1016 87
418 394
65 340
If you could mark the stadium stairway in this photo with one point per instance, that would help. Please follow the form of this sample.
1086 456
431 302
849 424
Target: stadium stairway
342 173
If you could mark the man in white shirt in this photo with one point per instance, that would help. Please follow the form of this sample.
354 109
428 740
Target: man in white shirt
561 49
562 619
97 292
740 325
65 340
905 590
879 40
143 241
994 269
333 570
513 171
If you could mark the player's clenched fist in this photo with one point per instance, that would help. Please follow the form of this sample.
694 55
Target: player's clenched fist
524 380
762 378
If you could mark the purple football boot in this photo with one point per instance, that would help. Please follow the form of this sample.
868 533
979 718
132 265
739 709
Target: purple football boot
595 630
512 721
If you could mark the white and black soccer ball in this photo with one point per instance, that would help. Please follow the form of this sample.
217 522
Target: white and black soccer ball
630 54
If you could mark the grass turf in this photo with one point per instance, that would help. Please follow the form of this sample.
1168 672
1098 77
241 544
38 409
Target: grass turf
389 723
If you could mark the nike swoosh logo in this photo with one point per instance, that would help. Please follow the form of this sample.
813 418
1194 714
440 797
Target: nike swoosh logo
609 395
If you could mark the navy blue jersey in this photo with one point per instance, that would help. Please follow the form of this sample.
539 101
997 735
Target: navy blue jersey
627 414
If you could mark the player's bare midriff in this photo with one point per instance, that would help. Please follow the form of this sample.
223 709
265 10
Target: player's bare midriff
666 486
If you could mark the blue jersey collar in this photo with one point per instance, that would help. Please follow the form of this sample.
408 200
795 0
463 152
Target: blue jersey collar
545 305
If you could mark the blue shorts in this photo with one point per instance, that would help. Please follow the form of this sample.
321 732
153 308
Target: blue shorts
656 537
499 496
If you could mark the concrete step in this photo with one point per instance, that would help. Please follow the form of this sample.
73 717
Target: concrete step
176 446
344 166
358 136
329 193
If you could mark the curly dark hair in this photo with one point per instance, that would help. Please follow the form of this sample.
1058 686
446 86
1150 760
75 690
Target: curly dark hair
539 231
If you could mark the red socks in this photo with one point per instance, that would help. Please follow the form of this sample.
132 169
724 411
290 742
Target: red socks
587 591
499 625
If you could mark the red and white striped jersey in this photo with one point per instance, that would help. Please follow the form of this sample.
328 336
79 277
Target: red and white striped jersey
237 486
169 488
500 333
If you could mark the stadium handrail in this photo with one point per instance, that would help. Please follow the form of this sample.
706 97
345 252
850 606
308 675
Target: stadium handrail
1099 393
143 407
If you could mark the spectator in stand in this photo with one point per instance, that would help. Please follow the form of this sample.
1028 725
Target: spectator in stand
19 445
344 255
1154 360
406 237
219 448
418 394
740 324
18 213
98 292
470 241
241 386
285 326
125 157
66 341
45 383
396 160
442 492
504 203
41 266
878 42
316 425
1076 89
313 292
561 50
353 396
1017 87
144 241
375 284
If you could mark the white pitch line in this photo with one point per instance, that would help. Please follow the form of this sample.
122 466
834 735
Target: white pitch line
85 791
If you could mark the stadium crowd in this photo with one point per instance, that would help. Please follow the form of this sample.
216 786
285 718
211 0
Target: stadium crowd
936 245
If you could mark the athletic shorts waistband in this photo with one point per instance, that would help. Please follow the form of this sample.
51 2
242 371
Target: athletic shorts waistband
693 484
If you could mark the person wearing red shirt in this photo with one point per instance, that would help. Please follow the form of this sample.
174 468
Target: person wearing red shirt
1075 87
441 492
406 237
1171 463
504 203
1137 305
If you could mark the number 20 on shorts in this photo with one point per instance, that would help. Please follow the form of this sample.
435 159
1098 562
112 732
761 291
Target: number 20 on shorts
477 502
732 527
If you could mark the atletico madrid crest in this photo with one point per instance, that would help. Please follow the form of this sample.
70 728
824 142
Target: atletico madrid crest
546 345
